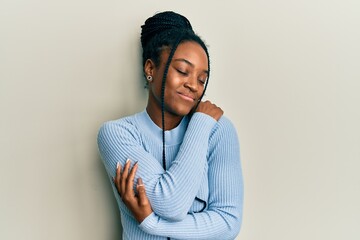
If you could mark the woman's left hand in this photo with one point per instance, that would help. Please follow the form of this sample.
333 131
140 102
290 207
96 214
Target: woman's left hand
138 203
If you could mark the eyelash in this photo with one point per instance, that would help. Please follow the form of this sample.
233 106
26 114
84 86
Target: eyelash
186 74
181 72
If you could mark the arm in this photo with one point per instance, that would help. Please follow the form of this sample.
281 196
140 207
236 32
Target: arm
223 217
169 192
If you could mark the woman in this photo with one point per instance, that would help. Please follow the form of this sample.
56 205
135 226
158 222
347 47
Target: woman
182 150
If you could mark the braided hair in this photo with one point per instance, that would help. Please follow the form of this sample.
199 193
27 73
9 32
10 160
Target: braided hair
167 29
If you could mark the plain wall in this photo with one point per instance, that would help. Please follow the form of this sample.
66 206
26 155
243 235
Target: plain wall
286 73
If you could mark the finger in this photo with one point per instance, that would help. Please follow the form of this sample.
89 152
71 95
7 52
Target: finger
130 180
141 192
117 177
124 175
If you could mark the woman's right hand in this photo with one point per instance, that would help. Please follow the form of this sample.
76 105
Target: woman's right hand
210 109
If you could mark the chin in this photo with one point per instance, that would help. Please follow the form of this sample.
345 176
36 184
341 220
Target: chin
180 111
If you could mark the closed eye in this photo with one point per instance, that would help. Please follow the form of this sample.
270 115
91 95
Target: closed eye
181 72
202 81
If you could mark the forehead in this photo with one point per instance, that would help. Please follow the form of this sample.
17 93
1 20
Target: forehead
192 52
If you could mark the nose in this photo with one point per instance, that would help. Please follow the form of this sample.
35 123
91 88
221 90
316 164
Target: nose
191 83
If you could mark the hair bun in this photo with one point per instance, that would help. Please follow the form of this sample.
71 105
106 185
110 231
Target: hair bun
161 22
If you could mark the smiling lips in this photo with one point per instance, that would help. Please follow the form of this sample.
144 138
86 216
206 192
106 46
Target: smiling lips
187 97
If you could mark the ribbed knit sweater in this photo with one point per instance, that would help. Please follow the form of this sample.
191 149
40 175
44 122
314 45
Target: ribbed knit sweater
199 195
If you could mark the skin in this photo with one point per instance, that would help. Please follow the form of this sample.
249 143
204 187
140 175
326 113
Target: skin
138 204
185 83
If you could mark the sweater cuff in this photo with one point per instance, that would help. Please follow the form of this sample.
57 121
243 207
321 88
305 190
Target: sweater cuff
149 223
203 120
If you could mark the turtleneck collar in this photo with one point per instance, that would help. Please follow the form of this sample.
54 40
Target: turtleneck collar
172 137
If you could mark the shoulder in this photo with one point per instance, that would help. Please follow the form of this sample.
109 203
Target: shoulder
223 126
123 127
223 132
224 145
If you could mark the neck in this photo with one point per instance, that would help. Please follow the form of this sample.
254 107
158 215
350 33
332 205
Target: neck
171 120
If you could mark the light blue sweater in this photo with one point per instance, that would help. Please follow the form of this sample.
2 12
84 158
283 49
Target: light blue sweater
199 195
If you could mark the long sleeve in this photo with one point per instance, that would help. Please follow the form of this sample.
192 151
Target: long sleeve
170 192
222 219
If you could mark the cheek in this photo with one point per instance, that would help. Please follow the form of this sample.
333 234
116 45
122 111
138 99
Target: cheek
173 79
202 90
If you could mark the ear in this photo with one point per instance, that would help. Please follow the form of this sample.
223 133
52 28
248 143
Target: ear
149 67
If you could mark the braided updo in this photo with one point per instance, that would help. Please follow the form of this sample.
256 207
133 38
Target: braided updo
161 22
167 29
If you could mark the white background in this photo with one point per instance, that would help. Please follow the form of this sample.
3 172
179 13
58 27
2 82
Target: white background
287 73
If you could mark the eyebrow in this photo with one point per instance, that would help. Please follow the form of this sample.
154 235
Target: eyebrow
189 63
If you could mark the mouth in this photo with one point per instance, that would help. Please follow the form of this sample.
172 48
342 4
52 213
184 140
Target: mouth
187 97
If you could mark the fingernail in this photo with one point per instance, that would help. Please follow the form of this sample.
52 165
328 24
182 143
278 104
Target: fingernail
140 181
128 160
117 165
136 163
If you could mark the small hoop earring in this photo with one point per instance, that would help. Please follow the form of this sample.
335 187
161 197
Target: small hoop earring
149 78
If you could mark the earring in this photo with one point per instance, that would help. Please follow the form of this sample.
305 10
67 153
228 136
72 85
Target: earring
149 78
